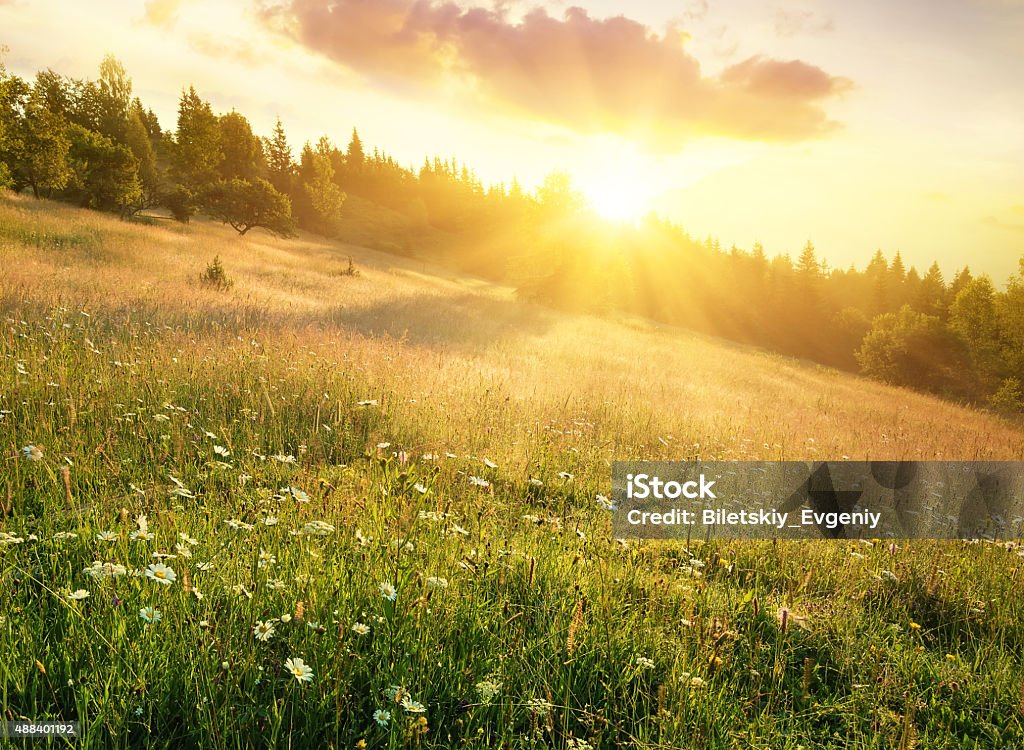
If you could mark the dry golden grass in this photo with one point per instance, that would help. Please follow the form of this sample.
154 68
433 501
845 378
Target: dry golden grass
478 361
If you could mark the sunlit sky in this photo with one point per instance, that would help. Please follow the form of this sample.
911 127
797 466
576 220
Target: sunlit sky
856 125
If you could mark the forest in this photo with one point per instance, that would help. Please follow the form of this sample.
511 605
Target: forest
95 144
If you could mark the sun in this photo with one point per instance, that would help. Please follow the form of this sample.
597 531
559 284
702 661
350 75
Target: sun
618 198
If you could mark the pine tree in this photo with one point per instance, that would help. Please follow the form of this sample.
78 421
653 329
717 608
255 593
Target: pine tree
932 294
280 166
354 156
197 152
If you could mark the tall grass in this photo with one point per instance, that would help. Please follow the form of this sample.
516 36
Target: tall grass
296 448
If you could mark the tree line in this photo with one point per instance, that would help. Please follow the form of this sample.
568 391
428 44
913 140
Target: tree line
95 144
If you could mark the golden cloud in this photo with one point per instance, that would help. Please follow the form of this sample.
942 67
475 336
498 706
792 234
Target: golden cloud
593 75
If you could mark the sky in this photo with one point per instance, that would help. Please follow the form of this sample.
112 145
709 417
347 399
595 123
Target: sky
856 126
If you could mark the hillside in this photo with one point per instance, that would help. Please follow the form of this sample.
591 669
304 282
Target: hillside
353 411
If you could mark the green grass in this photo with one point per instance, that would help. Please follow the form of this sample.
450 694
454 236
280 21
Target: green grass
129 377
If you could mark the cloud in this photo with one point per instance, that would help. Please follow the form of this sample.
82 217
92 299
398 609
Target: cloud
790 23
592 75
162 13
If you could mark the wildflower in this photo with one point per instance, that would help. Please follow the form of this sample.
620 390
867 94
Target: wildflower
263 631
574 743
32 453
64 535
297 494
100 570
411 706
6 538
696 682
183 550
284 459
220 450
536 482
435 582
108 536
317 528
643 662
78 595
487 690
388 591
890 576
160 573
457 530
605 504
361 539
141 536
241 590
235 524
915 626
367 402
270 521
150 615
299 669
479 482
420 488
565 476
539 706
266 559
490 464
204 566
382 717
360 629
286 618
275 584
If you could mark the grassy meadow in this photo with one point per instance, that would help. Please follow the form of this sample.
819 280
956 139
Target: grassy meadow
324 509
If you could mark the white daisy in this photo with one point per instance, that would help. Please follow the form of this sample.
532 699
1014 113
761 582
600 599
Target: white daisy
263 631
388 591
413 707
160 573
299 669
78 595
150 615
360 629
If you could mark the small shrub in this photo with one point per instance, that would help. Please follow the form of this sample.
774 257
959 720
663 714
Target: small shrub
215 276
351 270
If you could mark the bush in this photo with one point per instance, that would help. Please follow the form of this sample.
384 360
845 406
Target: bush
912 349
215 276
181 203
1008 398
